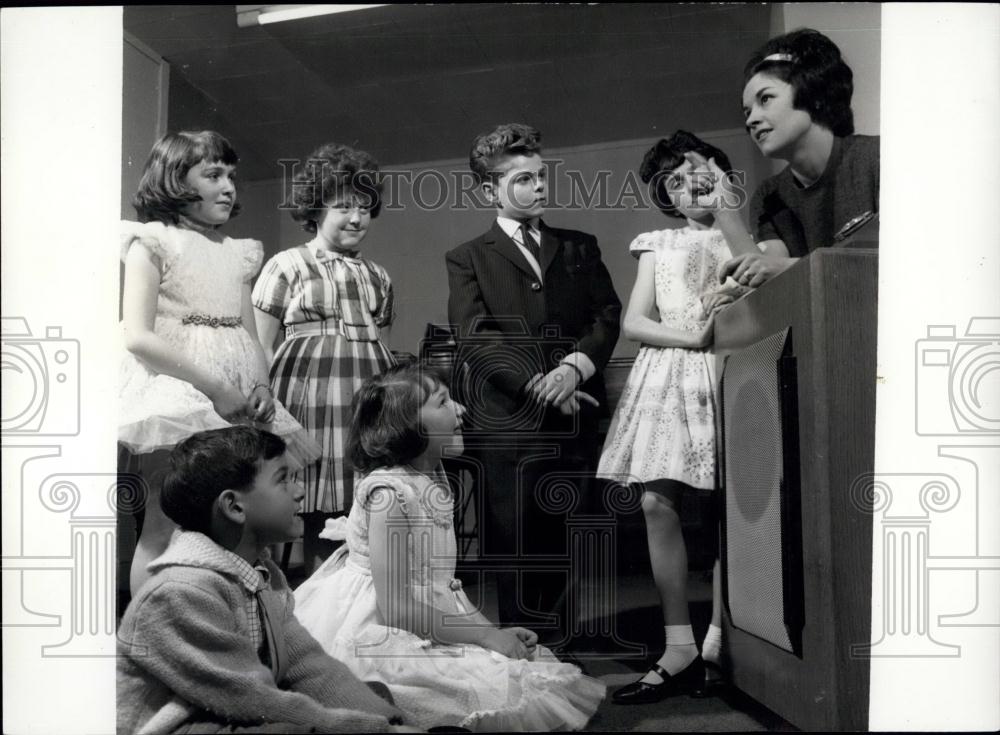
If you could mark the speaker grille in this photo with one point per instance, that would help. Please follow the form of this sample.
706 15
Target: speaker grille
755 539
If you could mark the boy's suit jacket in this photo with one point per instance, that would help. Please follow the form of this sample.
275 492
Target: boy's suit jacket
511 326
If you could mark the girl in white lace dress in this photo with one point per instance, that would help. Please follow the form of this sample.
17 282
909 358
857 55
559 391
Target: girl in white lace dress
662 437
388 603
192 360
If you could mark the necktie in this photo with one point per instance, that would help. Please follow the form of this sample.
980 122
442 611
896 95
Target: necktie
528 240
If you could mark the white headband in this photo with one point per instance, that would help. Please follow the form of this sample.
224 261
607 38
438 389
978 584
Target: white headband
778 57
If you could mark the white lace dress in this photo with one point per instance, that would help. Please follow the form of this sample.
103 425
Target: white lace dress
664 426
198 312
434 684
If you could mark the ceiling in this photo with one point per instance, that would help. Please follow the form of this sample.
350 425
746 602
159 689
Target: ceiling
417 82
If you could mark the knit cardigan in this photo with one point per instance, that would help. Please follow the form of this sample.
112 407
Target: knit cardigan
185 654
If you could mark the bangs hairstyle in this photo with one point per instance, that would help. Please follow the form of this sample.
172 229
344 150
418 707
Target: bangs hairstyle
162 193
207 463
510 139
822 81
333 173
385 426
668 154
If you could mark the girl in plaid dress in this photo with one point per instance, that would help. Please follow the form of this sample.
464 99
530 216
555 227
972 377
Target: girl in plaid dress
332 306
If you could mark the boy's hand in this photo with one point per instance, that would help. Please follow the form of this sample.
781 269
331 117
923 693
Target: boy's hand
555 386
572 404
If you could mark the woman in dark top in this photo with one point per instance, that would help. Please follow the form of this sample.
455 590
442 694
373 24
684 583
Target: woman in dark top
797 104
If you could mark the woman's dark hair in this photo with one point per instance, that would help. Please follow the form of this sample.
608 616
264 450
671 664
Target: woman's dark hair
205 464
332 173
666 155
162 193
811 63
385 426
509 139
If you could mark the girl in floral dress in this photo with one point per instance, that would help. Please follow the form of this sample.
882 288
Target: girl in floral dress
662 437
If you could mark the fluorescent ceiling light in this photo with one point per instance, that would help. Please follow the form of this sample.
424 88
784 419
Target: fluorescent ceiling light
251 15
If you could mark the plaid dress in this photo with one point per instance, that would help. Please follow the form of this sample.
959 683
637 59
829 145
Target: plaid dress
332 306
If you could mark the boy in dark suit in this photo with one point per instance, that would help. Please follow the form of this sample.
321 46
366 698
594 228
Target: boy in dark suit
537 319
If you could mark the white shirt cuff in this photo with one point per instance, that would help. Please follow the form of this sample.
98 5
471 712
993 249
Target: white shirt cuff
582 363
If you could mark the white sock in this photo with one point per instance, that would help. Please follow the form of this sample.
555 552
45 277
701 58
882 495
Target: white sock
680 652
711 648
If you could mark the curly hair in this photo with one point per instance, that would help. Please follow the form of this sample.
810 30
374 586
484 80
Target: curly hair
509 139
334 172
162 193
668 154
811 63
205 464
385 425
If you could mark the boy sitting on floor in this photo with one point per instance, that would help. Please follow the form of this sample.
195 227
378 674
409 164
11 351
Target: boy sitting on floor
209 643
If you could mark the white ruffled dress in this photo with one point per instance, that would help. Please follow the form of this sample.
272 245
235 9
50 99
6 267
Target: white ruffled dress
198 311
434 684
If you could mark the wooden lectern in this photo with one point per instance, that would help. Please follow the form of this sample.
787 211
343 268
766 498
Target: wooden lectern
797 372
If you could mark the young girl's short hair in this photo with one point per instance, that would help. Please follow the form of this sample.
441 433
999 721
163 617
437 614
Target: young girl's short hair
668 154
385 426
205 464
509 139
811 63
162 193
332 173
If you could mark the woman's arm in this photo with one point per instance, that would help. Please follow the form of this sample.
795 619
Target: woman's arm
638 326
140 294
390 536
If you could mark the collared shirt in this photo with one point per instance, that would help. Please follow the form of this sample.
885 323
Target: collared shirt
255 578
309 285
513 229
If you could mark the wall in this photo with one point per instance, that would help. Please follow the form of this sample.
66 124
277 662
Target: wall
145 82
857 29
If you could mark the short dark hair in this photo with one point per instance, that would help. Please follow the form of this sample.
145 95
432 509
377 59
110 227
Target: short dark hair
811 63
332 171
162 193
509 139
666 155
385 426
205 464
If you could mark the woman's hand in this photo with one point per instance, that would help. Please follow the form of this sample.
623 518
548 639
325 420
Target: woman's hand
754 269
228 402
505 641
260 404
